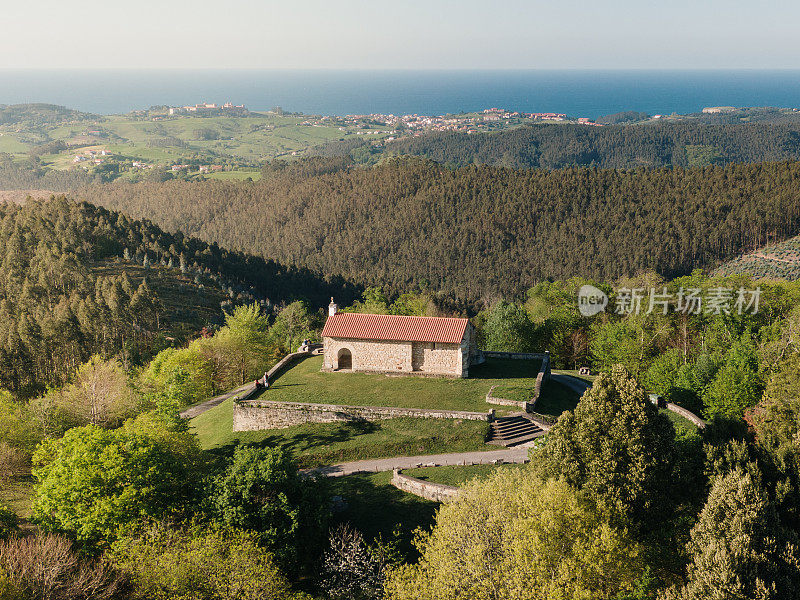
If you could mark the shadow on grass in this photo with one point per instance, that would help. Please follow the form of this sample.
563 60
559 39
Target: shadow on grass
498 368
556 398
299 442
376 508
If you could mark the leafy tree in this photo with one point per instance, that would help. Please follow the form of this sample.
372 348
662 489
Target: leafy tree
662 372
617 448
292 325
180 374
100 395
516 536
738 548
737 385
261 491
96 483
166 563
508 327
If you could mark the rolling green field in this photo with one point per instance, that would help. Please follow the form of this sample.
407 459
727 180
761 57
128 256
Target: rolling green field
306 383
250 139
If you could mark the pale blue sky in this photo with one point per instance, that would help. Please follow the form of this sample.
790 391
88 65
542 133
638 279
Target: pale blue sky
412 34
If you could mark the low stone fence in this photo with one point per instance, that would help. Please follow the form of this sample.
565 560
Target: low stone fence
491 399
686 414
289 360
436 492
254 415
542 377
515 355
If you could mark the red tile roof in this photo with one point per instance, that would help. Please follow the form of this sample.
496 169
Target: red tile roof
396 328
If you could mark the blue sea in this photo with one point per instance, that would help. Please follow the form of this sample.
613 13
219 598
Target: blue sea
577 93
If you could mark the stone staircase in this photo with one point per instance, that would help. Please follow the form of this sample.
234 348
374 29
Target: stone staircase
514 430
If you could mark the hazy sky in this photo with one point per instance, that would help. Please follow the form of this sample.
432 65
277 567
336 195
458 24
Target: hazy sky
413 34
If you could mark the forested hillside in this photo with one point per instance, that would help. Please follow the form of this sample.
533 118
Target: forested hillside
781 260
76 280
652 144
478 232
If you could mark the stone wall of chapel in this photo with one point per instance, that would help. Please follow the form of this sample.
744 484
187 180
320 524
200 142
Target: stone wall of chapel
396 357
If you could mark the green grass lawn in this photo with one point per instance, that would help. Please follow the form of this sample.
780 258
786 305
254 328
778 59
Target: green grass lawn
456 476
306 383
680 422
316 444
234 175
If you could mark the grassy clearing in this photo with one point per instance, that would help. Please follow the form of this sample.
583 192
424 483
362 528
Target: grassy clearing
306 383
316 444
457 476
680 423
234 175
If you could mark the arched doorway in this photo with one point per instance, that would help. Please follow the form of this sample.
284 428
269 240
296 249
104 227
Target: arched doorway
344 359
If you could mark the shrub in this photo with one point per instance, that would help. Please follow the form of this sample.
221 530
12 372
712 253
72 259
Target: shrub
165 563
47 567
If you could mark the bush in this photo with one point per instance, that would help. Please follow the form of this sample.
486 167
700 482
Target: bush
8 522
261 491
165 563
97 483
47 567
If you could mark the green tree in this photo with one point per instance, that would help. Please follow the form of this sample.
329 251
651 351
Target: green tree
737 385
509 328
96 483
261 491
515 536
8 522
617 448
738 548
165 563
292 325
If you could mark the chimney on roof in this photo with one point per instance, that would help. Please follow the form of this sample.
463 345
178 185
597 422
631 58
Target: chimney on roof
333 308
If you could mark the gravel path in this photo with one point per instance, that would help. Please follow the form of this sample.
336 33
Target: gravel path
199 409
507 455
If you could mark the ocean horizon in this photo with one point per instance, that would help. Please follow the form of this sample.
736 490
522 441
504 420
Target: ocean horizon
578 93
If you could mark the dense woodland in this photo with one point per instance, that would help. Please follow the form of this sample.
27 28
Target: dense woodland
477 233
66 294
679 144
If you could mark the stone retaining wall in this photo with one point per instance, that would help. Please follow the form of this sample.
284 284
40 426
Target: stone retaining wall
436 492
491 399
515 355
254 415
686 414
542 377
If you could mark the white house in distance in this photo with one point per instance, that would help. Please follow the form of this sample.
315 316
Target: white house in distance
434 346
